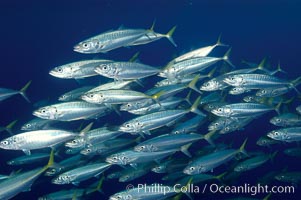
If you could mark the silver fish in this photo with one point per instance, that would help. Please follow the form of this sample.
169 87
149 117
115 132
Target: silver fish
70 111
82 173
110 40
200 52
286 119
242 110
209 162
125 70
74 94
286 134
22 182
37 124
36 140
77 70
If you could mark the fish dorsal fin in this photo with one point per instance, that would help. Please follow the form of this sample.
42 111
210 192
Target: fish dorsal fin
153 25
86 129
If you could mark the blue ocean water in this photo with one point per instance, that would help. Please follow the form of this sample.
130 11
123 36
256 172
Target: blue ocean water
37 35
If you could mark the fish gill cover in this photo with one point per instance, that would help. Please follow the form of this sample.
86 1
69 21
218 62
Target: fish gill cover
139 98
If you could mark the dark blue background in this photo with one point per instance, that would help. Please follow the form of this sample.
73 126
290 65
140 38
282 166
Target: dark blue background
39 35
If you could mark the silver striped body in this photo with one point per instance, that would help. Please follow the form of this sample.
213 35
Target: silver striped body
125 70
36 139
151 121
110 40
81 173
77 70
70 111
241 110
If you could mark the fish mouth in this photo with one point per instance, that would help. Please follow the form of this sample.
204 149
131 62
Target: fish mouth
76 48
270 135
98 70
52 73
162 74
186 171
109 160
36 113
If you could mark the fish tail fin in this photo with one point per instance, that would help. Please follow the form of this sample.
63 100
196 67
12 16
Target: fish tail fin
219 43
272 156
208 136
242 148
169 35
185 148
50 161
192 84
211 73
277 108
194 107
226 58
23 90
288 101
187 186
187 98
295 83
220 176
134 58
279 69
139 83
178 196
114 107
138 139
156 97
267 197
10 126
99 185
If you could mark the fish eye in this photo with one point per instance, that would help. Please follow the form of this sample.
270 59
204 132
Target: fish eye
91 95
73 141
232 78
220 110
276 133
128 105
85 45
278 120
28 125
216 124
115 158
192 168
127 125
104 67
43 111
177 132
5 142
88 150
59 69
263 91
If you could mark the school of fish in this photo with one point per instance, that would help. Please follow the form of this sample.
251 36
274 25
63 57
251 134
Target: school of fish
174 120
